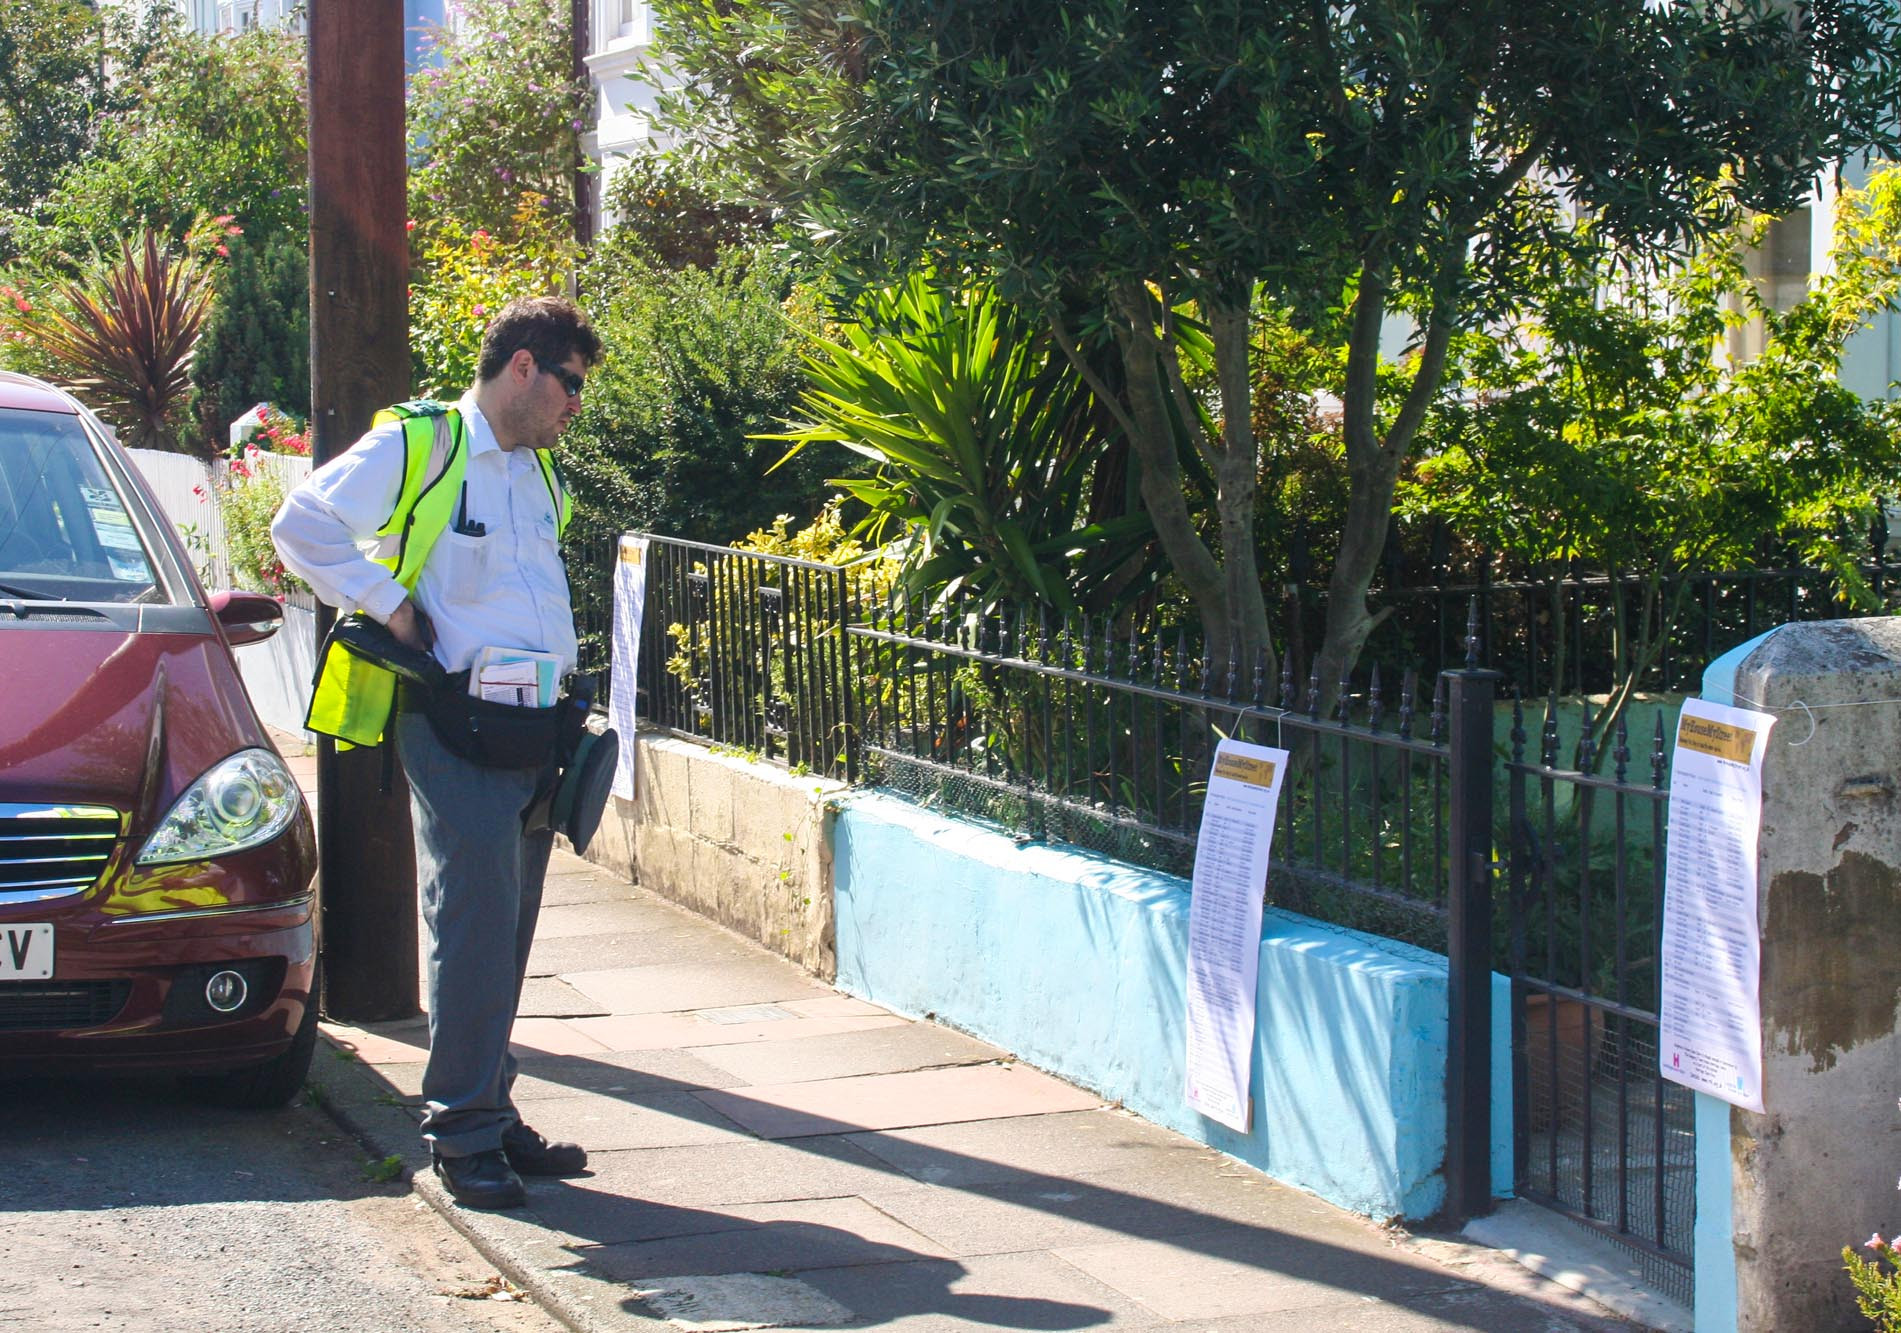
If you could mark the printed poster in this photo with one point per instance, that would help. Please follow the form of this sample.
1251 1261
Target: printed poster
630 600
1710 1036
1224 926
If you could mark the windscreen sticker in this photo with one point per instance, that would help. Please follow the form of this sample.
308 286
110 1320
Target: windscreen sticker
128 569
117 536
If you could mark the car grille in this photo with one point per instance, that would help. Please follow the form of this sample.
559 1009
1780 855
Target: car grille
49 851
39 1006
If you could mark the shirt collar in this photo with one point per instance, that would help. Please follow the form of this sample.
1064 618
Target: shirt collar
481 435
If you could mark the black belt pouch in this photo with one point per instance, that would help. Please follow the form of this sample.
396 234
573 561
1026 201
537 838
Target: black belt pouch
494 735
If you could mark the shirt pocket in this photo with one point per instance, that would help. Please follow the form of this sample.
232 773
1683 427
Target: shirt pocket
465 565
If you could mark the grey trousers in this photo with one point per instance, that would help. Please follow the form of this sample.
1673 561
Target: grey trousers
480 878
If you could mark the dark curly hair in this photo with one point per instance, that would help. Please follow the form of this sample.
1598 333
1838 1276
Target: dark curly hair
551 327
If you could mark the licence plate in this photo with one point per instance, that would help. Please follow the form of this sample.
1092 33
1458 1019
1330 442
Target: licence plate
26 952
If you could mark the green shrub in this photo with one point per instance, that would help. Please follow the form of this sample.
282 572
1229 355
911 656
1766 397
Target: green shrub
256 342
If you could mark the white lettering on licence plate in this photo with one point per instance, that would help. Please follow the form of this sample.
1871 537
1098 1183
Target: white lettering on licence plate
26 951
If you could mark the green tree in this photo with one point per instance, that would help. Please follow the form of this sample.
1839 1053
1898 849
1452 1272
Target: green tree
1608 432
470 275
499 115
987 443
200 125
1113 162
698 362
255 347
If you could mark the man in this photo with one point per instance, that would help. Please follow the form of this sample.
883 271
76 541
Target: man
443 525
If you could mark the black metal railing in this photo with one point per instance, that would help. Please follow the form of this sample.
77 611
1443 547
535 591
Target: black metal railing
1573 635
1391 817
1598 1132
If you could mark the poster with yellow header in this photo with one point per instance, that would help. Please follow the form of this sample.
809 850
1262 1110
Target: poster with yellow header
1224 926
630 599
1710 1031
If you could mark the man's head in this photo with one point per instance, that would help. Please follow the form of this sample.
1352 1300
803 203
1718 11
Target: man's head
535 355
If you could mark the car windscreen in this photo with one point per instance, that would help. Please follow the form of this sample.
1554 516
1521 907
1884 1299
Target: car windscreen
66 533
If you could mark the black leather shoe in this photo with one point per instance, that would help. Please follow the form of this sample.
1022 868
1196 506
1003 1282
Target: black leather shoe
533 1155
481 1180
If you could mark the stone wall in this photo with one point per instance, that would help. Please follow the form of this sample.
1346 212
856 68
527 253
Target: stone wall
745 844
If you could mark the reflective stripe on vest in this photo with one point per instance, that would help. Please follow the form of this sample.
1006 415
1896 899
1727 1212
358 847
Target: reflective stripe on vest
352 699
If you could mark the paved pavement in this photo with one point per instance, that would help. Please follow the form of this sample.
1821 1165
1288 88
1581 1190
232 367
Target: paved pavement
767 1152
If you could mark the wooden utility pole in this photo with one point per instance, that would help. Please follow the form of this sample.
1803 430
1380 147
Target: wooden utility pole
359 362
578 37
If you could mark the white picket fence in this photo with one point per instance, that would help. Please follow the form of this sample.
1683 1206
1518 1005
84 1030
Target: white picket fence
278 671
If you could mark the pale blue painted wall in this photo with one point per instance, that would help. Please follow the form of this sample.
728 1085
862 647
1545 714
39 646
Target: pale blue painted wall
1713 1240
1076 964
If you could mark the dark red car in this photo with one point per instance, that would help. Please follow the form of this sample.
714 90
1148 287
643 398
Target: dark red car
157 864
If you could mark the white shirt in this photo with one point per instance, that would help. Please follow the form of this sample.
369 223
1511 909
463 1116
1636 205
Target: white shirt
505 589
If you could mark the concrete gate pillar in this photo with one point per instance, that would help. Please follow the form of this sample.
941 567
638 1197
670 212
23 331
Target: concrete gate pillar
1818 1170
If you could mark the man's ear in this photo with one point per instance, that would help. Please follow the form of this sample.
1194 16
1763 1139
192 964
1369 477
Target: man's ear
521 366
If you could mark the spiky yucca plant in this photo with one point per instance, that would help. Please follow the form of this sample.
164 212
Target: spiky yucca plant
123 332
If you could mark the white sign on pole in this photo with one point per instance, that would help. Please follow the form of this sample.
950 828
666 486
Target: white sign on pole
1710 1033
1224 926
630 598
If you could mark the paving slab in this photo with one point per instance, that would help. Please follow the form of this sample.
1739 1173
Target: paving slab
650 1120
664 941
903 1048
772 1238
1008 1291
551 997
574 888
888 1101
691 1031
619 1198
615 916
1002 1148
659 988
1239 1271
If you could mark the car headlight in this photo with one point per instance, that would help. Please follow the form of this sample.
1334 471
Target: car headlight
245 800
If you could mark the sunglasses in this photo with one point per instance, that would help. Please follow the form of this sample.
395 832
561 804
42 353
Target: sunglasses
569 380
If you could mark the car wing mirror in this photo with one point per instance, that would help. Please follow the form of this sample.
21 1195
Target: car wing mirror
247 617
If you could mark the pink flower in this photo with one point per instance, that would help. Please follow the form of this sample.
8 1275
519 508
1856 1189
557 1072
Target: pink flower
481 310
223 250
410 225
224 218
1875 1243
198 491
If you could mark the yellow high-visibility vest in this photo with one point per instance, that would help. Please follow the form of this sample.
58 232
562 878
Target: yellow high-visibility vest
352 699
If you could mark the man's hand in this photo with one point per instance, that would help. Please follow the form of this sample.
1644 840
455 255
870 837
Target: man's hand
411 626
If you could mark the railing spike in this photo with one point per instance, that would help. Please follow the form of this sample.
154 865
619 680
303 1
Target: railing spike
1259 694
1287 683
1345 709
1234 670
1408 689
1518 727
1374 709
1438 733
1620 756
1587 743
1548 738
1313 695
1472 635
1657 757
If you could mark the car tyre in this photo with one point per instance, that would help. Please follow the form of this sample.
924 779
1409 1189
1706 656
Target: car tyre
271 1083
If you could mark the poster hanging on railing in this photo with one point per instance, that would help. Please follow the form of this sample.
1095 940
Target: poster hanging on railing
1710 1019
1224 926
630 599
